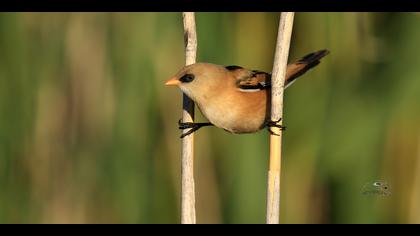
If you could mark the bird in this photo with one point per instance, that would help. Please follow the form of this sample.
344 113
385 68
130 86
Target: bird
234 98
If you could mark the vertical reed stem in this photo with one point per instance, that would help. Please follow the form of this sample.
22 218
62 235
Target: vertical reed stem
277 89
187 169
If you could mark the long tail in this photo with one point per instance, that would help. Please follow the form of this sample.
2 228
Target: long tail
306 63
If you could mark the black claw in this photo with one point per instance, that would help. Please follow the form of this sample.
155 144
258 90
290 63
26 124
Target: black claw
192 126
270 123
187 133
281 127
277 121
186 125
271 132
182 125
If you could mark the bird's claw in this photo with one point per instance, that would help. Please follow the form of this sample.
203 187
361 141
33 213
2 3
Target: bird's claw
271 123
185 125
190 125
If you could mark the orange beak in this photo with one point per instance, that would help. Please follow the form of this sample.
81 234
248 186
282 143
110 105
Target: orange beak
173 81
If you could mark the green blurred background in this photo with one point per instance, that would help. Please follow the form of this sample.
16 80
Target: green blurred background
88 131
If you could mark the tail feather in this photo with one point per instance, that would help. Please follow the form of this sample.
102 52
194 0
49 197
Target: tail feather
304 64
315 56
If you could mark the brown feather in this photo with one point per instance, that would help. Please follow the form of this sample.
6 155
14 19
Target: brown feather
306 63
252 80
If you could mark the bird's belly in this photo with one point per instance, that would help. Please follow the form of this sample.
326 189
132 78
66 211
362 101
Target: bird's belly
234 120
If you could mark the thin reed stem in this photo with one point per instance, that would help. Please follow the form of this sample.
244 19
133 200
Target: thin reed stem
277 89
187 169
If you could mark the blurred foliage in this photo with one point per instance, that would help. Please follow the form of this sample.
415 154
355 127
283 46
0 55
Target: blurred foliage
88 132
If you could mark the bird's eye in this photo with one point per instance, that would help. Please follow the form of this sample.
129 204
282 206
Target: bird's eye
187 78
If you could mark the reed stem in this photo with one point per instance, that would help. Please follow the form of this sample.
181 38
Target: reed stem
277 89
187 159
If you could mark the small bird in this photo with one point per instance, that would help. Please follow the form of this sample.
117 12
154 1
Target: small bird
233 98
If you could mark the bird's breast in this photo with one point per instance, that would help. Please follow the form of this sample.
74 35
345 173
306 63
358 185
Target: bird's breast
237 112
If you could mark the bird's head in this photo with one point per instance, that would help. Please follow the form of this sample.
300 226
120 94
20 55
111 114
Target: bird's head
199 80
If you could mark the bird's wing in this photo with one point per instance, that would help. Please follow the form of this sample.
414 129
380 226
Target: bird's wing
254 80
249 81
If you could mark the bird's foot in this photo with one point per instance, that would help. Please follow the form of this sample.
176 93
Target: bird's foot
272 123
192 126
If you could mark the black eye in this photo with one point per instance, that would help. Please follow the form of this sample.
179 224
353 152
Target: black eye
187 78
